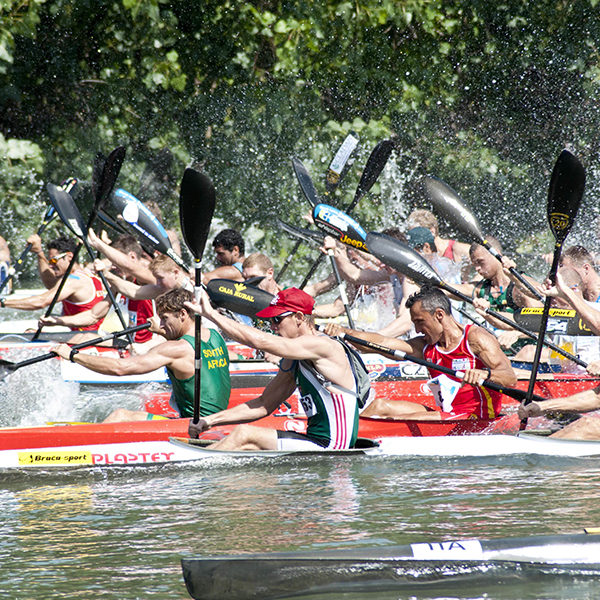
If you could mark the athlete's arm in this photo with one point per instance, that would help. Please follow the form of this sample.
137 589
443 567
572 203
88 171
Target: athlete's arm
82 319
278 389
485 346
163 355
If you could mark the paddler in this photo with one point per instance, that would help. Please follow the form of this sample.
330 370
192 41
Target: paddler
177 355
81 292
444 341
315 364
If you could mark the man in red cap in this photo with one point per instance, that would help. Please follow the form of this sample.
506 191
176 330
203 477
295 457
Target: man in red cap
315 364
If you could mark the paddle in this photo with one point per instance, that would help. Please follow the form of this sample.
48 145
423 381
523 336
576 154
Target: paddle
401 257
105 173
564 197
373 168
139 217
70 215
449 204
340 226
240 298
306 235
565 321
339 165
196 208
311 195
335 173
7 367
399 355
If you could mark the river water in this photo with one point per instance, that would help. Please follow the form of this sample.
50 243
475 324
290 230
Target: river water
120 533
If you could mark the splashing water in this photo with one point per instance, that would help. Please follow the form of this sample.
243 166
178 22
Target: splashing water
36 394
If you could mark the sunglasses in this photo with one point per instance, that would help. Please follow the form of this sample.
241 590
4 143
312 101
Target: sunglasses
56 258
277 320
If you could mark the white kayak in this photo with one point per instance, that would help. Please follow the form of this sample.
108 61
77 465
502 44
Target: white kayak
486 564
160 451
487 446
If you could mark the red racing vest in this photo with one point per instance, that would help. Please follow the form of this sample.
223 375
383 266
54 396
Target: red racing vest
470 400
74 308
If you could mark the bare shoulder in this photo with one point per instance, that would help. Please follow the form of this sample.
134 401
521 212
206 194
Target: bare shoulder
478 337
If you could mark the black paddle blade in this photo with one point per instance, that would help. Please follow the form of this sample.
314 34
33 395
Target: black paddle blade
375 163
308 235
238 297
141 219
341 226
339 164
196 208
110 172
97 170
67 210
305 181
561 321
450 206
565 194
6 368
401 257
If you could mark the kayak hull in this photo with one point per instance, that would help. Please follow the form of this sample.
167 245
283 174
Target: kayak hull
279 575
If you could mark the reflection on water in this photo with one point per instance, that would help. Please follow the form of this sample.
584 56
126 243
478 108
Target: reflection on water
121 533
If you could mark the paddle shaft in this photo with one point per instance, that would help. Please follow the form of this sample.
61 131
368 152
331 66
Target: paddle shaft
341 290
398 354
50 308
197 340
94 342
512 270
109 292
506 321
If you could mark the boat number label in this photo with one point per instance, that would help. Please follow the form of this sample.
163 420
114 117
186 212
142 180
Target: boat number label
465 549
55 458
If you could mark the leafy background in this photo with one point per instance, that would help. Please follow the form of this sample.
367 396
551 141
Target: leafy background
482 94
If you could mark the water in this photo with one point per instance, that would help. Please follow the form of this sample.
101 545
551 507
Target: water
119 534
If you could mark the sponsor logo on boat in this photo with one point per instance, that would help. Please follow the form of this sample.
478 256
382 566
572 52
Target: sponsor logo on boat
131 458
55 458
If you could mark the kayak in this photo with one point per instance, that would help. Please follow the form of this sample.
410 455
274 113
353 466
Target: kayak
394 568
147 442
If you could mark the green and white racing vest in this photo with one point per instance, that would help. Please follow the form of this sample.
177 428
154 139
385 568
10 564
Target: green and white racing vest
332 411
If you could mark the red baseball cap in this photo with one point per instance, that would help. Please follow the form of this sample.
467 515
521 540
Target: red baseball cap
289 300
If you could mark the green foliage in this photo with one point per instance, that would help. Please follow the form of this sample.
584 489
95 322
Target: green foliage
481 94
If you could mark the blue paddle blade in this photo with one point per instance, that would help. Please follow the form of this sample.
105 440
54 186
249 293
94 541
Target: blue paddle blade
340 226
139 216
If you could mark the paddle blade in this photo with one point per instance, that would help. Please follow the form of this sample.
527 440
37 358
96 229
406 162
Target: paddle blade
140 218
565 194
341 226
339 164
110 172
561 321
196 207
67 210
6 368
305 181
401 257
375 163
450 206
238 297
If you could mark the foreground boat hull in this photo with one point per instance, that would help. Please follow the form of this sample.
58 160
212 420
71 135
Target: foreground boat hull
281 575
